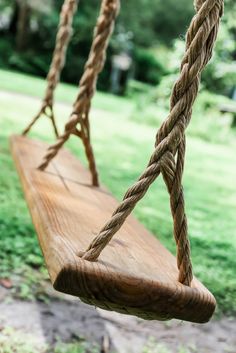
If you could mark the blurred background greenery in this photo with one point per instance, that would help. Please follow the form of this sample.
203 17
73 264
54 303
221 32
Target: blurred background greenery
151 34
147 30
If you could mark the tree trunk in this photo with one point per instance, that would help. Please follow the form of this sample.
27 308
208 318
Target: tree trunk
22 24
14 19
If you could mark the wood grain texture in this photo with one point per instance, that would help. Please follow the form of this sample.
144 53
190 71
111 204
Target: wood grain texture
135 273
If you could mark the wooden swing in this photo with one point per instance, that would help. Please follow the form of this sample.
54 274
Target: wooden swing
131 272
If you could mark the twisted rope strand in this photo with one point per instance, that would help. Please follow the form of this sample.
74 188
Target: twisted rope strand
170 140
87 87
58 61
172 174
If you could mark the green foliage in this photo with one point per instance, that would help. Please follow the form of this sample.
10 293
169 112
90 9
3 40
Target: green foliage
29 63
216 126
152 22
142 26
147 68
152 107
29 283
220 74
137 28
36 58
138 89
15 341
171 19
17 235
12 341
6 51
76 347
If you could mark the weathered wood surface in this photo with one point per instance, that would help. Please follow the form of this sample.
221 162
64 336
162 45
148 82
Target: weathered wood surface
135 274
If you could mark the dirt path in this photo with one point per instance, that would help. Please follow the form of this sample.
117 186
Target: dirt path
68 318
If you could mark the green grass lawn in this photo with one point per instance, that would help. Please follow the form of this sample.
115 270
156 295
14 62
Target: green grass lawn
122 143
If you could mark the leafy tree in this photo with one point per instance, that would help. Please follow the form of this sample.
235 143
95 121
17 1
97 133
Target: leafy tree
142 25
220 75
154 21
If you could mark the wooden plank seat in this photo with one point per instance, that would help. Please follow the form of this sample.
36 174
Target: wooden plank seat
135 274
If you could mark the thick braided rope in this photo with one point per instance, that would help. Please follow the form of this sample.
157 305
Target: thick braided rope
58 61
170 140
173 181
87 87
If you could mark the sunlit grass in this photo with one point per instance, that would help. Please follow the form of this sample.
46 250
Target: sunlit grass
29 85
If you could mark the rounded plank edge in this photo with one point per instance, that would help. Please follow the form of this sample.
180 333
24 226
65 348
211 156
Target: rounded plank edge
150 300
